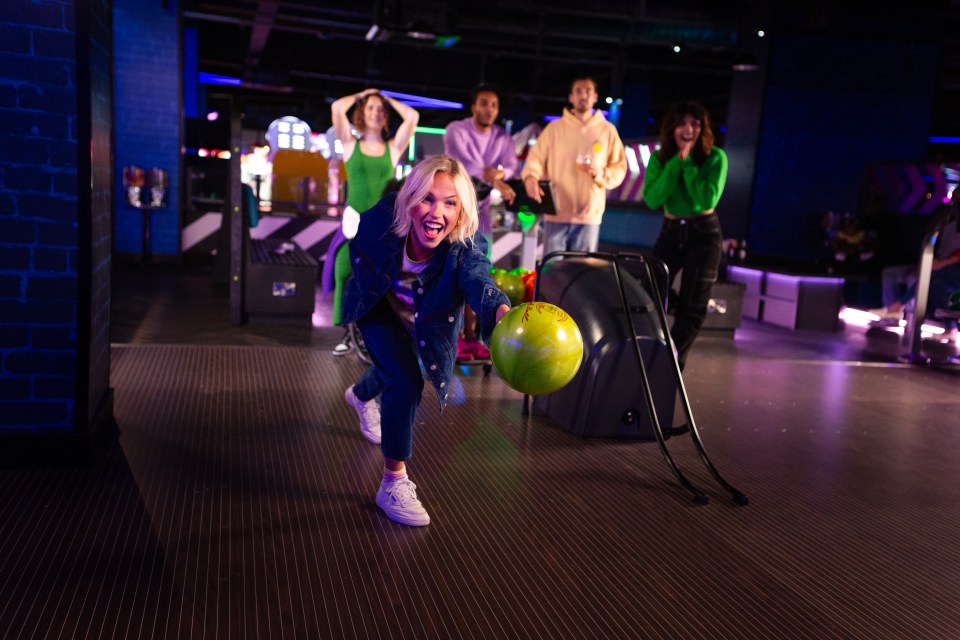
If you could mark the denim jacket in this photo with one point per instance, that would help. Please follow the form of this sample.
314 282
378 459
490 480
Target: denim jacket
457 272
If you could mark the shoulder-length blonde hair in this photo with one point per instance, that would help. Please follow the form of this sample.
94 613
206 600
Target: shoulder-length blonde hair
417 185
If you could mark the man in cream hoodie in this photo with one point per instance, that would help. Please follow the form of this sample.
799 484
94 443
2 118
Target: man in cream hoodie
582 155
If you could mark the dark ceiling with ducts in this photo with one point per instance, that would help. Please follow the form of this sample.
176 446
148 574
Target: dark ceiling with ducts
298 55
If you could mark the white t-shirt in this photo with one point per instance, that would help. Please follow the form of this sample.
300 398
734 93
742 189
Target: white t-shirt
400 295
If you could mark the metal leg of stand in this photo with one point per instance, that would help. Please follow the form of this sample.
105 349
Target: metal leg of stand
145 255
738 496
912 337
698 496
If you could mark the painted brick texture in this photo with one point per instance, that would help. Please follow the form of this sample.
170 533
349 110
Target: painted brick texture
38 216
147 117
49 261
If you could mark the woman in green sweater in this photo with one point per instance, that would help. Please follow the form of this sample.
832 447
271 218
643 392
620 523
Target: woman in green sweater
685 178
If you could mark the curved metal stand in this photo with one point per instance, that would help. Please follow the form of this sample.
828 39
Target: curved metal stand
912 337
699 496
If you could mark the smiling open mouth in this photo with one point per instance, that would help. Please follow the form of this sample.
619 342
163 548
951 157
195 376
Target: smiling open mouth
432 229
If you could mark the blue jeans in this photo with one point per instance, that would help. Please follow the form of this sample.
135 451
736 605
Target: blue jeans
570 237
394 376
899 283
943 282
692 245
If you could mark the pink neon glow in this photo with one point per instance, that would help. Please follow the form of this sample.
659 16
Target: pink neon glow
857 317
860 318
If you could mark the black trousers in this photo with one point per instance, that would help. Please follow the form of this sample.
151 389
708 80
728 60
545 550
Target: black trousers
692 247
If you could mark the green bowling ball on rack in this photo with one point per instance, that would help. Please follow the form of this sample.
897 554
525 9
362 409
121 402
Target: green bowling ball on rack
536 348
511 284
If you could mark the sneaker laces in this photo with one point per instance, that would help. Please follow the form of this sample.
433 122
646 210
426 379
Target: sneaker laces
403 491
370 412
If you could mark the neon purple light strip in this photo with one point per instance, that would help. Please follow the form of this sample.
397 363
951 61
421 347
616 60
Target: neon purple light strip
421 101
783 277
213 78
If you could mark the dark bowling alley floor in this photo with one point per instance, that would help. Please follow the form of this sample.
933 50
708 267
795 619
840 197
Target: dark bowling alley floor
239 500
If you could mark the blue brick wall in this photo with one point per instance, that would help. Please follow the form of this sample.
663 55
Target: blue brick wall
146 45
38 216
832 106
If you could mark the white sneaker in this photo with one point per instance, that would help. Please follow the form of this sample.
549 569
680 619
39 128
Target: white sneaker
369 414
398 499
884 313
345 346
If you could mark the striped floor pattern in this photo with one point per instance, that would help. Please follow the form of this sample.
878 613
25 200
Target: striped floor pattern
239 504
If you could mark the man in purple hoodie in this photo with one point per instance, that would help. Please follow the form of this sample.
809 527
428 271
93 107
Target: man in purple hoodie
488 154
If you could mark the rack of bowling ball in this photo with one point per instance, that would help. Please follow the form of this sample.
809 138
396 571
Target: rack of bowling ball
538 348
517 284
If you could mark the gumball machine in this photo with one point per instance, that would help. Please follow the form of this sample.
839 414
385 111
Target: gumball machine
133 182
146 192
158 188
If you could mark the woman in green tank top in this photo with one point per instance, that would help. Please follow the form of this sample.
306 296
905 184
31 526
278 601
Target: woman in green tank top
369 163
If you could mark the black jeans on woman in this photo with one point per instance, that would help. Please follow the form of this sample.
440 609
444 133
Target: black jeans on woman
691 245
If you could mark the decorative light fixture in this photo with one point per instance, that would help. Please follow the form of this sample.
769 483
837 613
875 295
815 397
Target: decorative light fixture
422 101
213 78
420 30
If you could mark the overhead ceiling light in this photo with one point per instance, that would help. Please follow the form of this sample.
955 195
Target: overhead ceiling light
676 48
372 32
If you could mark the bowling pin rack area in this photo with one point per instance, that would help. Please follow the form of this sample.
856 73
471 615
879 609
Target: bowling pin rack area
645 267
